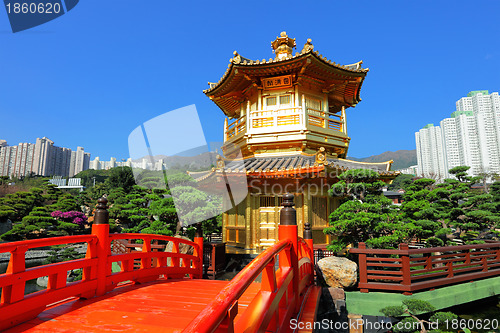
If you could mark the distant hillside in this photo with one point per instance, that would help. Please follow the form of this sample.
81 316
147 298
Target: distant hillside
402 158
202 160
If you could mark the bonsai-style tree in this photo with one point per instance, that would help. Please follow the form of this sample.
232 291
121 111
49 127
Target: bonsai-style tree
411 308
366 215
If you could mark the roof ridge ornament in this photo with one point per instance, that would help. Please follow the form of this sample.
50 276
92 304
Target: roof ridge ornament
320 157
308 47
283 46
237 58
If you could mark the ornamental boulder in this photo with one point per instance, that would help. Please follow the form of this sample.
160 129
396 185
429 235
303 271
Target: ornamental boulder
338 272
183 248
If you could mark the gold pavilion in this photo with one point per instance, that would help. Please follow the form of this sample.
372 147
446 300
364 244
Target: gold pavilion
286 121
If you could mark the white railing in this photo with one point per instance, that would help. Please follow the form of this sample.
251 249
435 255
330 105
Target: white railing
325 120
285 119
235 128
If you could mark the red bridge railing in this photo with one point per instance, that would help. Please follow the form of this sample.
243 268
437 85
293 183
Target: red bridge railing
97 277
287 271
409 270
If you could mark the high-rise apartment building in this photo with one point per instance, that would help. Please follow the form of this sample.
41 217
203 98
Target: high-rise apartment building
80 161
471 137
41 158
17 160
430 155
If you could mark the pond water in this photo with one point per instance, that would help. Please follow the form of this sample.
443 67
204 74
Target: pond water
482 311
31 285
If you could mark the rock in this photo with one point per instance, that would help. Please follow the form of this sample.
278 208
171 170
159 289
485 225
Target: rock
183 248
338 272
336 293
42 281
5 226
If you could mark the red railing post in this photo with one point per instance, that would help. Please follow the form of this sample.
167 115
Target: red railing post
363 276
100 228
308 237
485 263
17 264
288 230
198 239
405 267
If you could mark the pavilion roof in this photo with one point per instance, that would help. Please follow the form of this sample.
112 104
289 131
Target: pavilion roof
290 165
341 82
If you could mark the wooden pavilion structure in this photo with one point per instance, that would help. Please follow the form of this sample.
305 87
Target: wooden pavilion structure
285 131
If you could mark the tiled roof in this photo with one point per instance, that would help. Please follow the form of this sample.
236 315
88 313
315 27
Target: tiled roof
241 61
293 162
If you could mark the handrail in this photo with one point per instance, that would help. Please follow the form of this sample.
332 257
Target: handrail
420 269
96 271
423 250
21 307
217 311
306 265
154 264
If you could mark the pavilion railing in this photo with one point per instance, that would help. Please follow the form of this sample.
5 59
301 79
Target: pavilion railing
284 119
409 270
97 276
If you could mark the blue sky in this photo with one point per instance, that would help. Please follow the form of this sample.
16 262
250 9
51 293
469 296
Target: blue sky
90 77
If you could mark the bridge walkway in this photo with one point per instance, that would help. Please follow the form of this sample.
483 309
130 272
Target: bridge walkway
159 306
165 293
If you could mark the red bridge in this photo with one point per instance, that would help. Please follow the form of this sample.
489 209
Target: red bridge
166 292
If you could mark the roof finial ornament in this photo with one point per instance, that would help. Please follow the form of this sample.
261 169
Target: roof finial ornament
237 58
283 46
307 46
320 157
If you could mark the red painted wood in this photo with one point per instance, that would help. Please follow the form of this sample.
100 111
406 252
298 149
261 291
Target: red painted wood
160 306
309 310
157 298
442 266
16 307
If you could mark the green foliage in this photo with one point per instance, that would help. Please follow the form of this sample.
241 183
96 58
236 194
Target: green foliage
460 172
417 306
393 311
121 177
366 215
401 182
411 308
88 177
443 319
37 224
57 254
406 325
450 210
435 214
66 203
357 184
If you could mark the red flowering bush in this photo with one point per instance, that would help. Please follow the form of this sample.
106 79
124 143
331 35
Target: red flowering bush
71 217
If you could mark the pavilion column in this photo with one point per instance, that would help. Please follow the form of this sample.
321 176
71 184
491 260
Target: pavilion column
304 111
248 114
248 221
344 122
225 129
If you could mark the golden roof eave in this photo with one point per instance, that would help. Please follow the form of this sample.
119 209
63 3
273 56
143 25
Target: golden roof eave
242 73
237 60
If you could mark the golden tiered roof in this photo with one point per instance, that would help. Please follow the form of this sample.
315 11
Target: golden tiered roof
342 83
